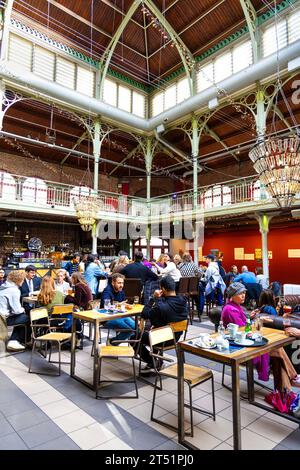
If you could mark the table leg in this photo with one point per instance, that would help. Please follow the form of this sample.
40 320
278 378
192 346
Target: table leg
236 410
73 345
250 381
180 372
96 354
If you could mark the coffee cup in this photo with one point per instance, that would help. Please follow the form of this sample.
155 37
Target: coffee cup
232 330
240 337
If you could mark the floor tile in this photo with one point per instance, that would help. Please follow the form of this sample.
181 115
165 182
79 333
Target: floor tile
247 416
206 403
292 441
61 443
40 433
203 440
253 441
91 437
170 445
143 411
221 428
18 406
113 444
5 427
282 420
12 442
49 396
27 419
73 421
121 423
59 408
223 446
36 387
266 427
144 438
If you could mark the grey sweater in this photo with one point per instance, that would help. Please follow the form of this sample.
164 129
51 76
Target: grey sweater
10 300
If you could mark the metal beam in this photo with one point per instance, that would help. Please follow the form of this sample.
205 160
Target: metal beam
80 139
281 116
251 20
114 7
215 136
128 156
176 39
106 58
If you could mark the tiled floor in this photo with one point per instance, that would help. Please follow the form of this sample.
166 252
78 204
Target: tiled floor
43 412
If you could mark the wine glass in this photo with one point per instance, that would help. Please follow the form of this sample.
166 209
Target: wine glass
136 299
258 328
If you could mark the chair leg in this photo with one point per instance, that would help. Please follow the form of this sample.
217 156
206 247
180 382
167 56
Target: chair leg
32 352
213 397
134 378
191 411
153 399
59 358
99 377
50 352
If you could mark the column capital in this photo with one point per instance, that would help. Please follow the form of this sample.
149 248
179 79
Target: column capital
264 219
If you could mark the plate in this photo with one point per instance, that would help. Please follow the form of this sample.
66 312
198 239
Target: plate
246 342
250 342
195 343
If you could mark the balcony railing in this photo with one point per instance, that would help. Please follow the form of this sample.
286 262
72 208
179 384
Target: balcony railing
21 191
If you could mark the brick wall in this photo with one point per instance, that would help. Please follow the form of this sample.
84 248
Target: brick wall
25 166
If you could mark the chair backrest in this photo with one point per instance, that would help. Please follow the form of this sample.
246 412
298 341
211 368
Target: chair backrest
132 287
193 285
62 309
183 285
161 335
179 326
38 313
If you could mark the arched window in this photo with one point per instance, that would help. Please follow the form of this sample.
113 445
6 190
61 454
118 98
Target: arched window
7 186
34 190
157 246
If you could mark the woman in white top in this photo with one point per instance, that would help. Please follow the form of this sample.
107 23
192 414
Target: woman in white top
170 269
60 283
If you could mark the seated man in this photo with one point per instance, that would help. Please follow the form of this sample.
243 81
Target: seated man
115 292
165 307
13 312
31 283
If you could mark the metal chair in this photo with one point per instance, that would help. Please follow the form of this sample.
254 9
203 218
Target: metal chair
193 375
37 314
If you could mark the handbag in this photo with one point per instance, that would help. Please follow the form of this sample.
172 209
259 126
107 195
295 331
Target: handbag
102 284
281 401
295 408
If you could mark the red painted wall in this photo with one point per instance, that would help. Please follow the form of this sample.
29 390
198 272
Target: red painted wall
282 268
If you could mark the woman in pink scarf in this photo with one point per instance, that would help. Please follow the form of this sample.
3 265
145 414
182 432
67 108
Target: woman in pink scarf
233 313
284 373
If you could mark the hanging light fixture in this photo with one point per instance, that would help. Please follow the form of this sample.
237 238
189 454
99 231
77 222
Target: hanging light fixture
87 208
277 161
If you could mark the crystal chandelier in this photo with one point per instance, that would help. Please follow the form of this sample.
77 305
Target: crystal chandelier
87 208
277 161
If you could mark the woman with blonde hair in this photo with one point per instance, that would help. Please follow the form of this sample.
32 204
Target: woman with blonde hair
12 310
123 261
60 283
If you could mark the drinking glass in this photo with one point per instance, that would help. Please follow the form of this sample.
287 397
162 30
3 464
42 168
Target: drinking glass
115 304
286 321
106 304
136 299
258 328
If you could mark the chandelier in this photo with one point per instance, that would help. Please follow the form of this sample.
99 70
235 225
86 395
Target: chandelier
87 208
277 161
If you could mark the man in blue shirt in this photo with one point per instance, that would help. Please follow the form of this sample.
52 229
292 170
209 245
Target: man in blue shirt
115 292
246 277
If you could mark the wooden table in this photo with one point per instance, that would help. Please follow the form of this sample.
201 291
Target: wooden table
277 339
96 318
29 300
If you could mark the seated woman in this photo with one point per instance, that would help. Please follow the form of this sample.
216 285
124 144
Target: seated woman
61 284
285 376
48 297
267 303
13 312
82 292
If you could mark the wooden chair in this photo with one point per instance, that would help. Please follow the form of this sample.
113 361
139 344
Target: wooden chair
109 352
37 314
193 375
132 288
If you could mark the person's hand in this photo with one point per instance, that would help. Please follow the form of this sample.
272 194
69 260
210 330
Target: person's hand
254 313
292 332
157 293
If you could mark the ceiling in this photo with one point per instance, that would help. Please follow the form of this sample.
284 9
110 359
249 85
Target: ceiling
143 53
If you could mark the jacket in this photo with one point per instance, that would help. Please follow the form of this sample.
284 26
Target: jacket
10 300
164 310
25 289
170 270
213 278
91 274
137 270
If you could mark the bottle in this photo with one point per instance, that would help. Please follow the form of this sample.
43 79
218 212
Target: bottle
221 329
248 328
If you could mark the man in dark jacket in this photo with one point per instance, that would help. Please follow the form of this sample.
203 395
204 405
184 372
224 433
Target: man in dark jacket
165 307
137 270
